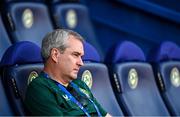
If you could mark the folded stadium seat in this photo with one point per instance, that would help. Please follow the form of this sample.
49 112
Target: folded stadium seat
166 64
20 64
133 81
95 74
75 16
27 20
5 107
4 39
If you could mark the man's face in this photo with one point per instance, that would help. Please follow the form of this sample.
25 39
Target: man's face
70 61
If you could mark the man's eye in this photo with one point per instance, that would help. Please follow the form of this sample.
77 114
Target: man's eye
76 55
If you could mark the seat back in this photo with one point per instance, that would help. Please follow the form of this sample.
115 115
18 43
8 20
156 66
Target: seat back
5 107
75 16
166 61
95 75
28 21
4 39
133 81
20 64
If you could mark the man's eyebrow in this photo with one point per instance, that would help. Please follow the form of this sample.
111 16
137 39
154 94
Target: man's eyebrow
75 52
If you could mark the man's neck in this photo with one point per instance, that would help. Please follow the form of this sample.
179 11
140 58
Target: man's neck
55 77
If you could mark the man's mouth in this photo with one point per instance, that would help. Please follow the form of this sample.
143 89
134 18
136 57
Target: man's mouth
76 70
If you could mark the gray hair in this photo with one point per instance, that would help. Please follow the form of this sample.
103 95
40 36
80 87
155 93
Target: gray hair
57 39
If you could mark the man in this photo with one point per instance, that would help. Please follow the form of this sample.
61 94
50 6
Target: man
57 91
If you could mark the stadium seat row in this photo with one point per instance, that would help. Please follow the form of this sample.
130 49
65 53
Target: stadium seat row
30 20
125 84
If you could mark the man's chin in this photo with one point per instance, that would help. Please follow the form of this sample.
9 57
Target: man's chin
74 77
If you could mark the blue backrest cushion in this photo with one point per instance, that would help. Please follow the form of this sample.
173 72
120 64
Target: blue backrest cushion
23 52
167 50
125 51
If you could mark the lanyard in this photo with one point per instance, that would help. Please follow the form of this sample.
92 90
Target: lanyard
61 87
77 89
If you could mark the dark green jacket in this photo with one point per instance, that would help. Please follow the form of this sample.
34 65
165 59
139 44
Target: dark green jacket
43 97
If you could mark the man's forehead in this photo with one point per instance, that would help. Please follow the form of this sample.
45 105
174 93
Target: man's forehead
76 49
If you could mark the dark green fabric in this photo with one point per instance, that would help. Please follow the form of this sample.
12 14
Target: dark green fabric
43 97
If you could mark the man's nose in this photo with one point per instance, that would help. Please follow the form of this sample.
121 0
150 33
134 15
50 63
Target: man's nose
80 62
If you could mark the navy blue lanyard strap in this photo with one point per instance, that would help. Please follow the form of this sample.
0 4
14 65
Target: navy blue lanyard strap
72 98
76 87
61 87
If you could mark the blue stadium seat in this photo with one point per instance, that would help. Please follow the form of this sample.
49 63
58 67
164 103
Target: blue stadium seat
4 39
95 74
27 20
166 64
133 81
75 16
19 65
5 107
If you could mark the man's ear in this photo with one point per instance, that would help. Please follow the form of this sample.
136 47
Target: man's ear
55 54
